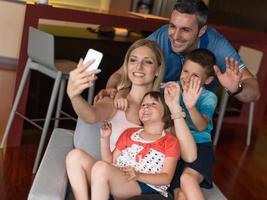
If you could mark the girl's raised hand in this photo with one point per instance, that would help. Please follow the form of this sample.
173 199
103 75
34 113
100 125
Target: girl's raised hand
121 103
105 130
172 92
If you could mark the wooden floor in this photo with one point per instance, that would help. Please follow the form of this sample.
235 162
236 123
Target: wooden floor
240 172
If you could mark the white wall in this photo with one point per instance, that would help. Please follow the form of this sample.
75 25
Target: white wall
11 25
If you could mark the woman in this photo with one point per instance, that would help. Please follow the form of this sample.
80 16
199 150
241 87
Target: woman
143 70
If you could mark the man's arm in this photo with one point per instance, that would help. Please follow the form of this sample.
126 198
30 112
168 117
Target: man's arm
114 78
250 90
111 86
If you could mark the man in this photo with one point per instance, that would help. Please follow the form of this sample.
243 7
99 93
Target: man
187 30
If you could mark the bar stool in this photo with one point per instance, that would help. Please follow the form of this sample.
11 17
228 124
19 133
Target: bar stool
41 53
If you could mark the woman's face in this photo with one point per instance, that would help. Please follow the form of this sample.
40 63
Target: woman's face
142 66
151 110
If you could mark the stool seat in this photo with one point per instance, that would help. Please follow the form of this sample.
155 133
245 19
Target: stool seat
66 66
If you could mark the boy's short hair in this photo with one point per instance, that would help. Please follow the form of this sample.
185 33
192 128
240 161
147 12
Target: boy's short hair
160 98
203 57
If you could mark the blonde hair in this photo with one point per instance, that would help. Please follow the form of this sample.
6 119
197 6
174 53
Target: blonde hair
125 82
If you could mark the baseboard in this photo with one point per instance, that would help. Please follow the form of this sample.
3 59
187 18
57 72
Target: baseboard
8 63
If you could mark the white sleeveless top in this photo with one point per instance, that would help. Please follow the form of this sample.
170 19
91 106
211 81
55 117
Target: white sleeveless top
119 124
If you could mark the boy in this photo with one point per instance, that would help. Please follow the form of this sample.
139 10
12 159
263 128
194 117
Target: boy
199 105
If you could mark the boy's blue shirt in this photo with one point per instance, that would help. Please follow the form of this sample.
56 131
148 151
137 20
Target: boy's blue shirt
206 105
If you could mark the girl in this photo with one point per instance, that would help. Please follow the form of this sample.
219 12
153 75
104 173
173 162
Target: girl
144 159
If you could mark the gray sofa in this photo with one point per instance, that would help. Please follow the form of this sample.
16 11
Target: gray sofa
51 183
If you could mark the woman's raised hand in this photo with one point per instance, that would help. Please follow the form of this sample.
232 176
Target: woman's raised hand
80 79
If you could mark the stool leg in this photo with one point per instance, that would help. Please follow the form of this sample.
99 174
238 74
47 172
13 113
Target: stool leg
60 101
47 121
91 92
220 117
250 122
16 103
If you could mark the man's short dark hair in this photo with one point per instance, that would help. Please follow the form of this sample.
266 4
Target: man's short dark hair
203 57
194 7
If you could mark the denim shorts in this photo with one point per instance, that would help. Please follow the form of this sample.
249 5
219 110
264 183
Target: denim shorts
203 165
145 189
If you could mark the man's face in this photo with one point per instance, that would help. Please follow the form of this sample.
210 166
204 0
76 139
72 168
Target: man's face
183 32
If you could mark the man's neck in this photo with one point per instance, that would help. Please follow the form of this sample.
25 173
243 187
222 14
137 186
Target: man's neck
196 45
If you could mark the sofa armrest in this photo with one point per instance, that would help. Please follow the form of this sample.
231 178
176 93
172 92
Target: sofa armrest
51 180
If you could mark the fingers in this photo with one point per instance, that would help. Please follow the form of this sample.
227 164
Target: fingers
99 96
170 87
112 92
130 173
107 124
121 104
195 84
217 70
83 66
109 92
106 129
231 64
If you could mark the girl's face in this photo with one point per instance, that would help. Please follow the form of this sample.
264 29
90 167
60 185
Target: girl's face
142 66
151 110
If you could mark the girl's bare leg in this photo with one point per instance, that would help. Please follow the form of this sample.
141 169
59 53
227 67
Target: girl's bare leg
108 179
190 180
178 194
79 165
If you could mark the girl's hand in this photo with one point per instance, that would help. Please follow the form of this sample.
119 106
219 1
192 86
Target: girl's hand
192 92
121 103
80 79
105 130
172 92
120 100
130 173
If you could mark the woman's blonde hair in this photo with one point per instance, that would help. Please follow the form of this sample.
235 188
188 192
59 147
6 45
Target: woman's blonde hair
125 81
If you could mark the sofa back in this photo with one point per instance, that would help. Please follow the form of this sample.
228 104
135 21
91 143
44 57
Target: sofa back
87 137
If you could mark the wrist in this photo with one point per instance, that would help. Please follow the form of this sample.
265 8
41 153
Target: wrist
192 108
238 90
137 176
104 137
178 114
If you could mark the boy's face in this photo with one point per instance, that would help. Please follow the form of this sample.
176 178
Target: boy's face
192 69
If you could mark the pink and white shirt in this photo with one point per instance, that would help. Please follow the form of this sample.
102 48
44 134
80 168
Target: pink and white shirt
146 156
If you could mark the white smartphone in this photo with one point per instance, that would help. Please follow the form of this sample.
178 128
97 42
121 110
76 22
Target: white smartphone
93 55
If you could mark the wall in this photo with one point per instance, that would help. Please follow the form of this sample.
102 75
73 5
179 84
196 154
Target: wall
250 15
7 84
11 24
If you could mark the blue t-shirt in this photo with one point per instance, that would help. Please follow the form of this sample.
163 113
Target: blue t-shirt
206 105
211 40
